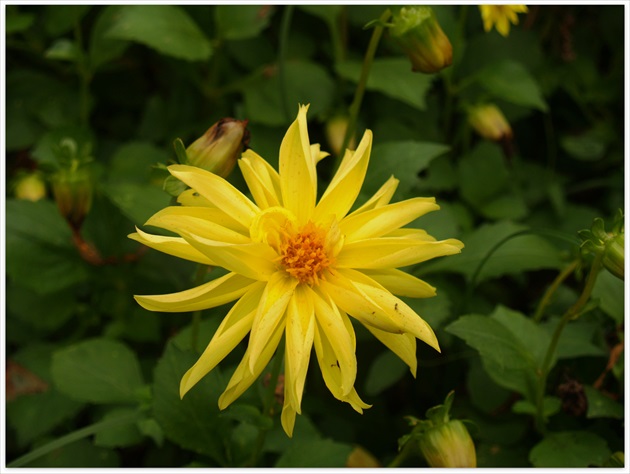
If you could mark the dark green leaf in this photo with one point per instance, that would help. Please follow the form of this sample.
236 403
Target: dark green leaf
98 371
609 290
319 453
16 22
242 21
81 453
102 48
193 422
384 372
511 81
165 28
43 312
551 406
248 414
133 162
601 406
120 435
63 50
138 202
59 19
392 77
570 449
576 339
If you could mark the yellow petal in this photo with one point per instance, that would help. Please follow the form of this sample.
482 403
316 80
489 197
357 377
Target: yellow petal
346 184
297 170
213 293
317 154
392 252
218 191
175 246
393 308
263 181
385 219
288 417
232 330
401 283
403 345
417 234
331 322
192 198
270 314
299 342
331 372
254 260
202 221
380 198
246 372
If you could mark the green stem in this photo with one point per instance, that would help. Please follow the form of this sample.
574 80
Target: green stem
74 436
196 315
402 455
544 302
85 76
282 55
570 314
268 402
360 90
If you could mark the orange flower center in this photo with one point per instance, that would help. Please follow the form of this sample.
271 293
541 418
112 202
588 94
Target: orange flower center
304 256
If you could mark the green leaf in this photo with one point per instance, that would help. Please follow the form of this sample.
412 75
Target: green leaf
165 28
59 19
610 292
134 161
601 406
516 255
38 238
42 312
402 159
511 81
16 22
484 392
305 83
576 339
120 435
63 50
193 422
486 184
392 77
102 48
587 147
318 453
570 449
98 371
385 371
242 21
248 414
81 453
137 201
551 406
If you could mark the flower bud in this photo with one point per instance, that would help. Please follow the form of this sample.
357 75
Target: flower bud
489 122
610 245
419 34
614 260
335 132
448 445
72 188
218 149
30 187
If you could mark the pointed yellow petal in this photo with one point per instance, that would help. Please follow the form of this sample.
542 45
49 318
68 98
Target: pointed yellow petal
288 417
391 252
175 246
336 331
385 219
401 283
391 307
297 170
192 198
254 260
380 198
346 184
271 311
232 330
202 221
218 191
299 342
328 364
263 181
246 373
403 345
417 234
214 293
317 154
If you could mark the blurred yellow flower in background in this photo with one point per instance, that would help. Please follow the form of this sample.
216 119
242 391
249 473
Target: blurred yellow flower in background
500 16
298 267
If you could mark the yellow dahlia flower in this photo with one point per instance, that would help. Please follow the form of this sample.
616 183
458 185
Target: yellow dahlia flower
298 267
500 16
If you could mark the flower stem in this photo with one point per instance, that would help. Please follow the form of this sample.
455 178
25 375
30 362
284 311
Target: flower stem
544 302
570 314
282 55
402 455
360 90
74 436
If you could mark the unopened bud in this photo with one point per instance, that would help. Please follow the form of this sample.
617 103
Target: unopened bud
72 188
610 245
361 457
490 123
448 445
335 132
30 187
614 260
419 34
218 149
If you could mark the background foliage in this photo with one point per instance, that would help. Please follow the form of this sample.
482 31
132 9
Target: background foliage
124 81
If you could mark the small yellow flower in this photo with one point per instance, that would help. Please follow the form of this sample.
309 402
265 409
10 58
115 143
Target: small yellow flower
489 122
298 267
500 16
